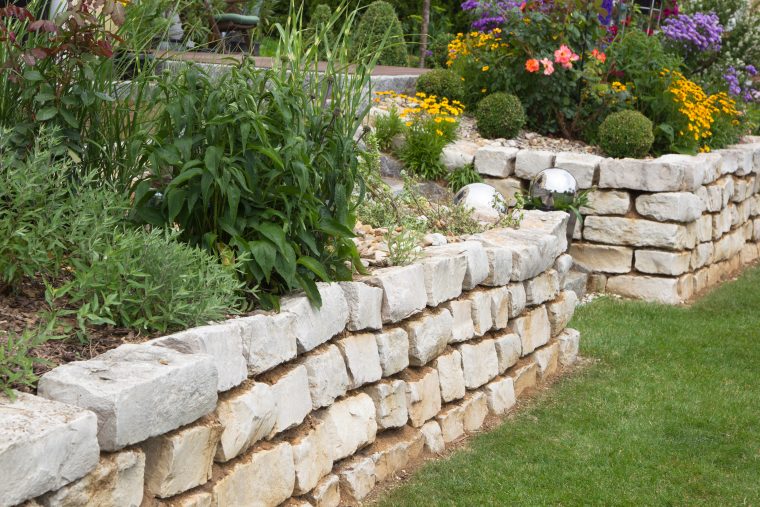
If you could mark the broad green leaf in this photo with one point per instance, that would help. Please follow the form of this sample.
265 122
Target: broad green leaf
315 267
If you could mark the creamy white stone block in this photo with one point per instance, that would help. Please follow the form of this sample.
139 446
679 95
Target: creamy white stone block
393 350
403 291
269 340
428 336
582 166
450 375
648 288
328 378
670 206
290 388
533 328
496 160
461 312
451 421
669 173
712 197
458 154
393 451
475 411
561 310
482 318
431 432
500 395
312 456
721 223
365 304
704 228
137 391
517 299
535 224
562 265
658 262
480 363
499 266
569 342
43 446
352 424
607 202
701 255
444 276
389 397
499 307
362 359
542 288
423 394
602 258
357 478
476 258
314 326
326 493
636 232
528 163
246 415
711 163
508 350
547 359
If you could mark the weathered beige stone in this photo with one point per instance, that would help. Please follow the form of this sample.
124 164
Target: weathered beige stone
198 498
495 160
607 202
428 336
357 478
728 246
403 291
602 258
389 397
569 342
508 350
266 478
365 305
700 280
500 395
482 319
528 163
351 423
314 326
667 206
444 276
721 223
547 359
393 350
750 253
711 163
362 359
648 288
462 328
451 421
290 389
525 376
582 166
479 362
458 154
475 407
712 197
517 299
394 450
431 432
704 228
181 460
533 328
669 173
476 260
312 455
326 493
450 375
269 340
499 266
562 265
657 262
686 286
327 374
423 394
636 232
542 288
597 283
499 307
561 310
246 415
507 187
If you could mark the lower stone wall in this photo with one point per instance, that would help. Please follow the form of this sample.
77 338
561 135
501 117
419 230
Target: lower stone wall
305 407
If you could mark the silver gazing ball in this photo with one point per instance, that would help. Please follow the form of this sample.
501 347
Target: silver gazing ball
555 188
485 200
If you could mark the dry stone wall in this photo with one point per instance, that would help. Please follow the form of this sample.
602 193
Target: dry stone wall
659 229
308 407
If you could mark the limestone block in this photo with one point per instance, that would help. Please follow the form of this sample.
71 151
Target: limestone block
704 228
482 317
500 395
508 350
517 299
223 342
403 291
352 424
451 421
670 206
597 283
721 223
562 265
756 229
701 256
532 251
734 213
458 154
423 394
582 166
290 389
476 260
712 197
197 498
542 288
636 232
393 350
607 202
569 342
43 446
394 450
533 328
742 189
137 391
428 336
461 312
528 163
496 161
744 210
547 359
576 282
499 266
499 307
475 411
561 310
750 253
312 455
657 262
742 157
117 480
444 276
553 223
648 288
450 375
669 173
247 415
265 479
431 432
314 326
389 397
365 305
726 185
362 359
479 362
357 478
602 258
327 374
507 187
524 376
326 493
686 286
269 340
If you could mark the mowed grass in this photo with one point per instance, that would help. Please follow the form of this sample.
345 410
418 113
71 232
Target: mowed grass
667 413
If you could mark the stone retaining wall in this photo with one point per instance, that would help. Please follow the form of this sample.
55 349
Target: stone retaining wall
658 229
305 407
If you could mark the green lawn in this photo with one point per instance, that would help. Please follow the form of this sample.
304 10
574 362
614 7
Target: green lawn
668 413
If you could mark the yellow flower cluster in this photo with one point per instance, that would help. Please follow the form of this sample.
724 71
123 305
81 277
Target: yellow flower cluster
698 108
466 44
617 86
423 106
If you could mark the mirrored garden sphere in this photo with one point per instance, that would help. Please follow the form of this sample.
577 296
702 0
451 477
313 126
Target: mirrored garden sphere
554 188
485 200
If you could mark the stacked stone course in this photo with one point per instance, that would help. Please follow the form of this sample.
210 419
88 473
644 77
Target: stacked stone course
312 407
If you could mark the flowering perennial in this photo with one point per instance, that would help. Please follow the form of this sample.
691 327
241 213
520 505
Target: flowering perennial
696 32
463 45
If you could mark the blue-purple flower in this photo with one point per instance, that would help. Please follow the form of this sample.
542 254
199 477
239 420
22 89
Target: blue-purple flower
740 83
698 32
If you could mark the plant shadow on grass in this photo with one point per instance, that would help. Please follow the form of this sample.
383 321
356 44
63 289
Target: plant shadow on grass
667 414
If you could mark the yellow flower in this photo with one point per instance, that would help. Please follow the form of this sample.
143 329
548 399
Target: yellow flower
408 124
483 90
439 132
485 68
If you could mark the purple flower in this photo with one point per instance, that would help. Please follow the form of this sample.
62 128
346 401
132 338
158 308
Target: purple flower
742 86
607 18
696 32
751 70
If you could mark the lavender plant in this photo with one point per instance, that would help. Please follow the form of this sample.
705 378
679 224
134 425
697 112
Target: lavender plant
694 33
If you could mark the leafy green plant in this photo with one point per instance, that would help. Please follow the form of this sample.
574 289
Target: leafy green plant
626 134
500 115
441 83
17 362
463 176
387 127
380 25
403 246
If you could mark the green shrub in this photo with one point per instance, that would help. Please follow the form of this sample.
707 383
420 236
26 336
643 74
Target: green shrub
387 127
626 134
500 115
441 83
463 176
320 16
16 360
379 24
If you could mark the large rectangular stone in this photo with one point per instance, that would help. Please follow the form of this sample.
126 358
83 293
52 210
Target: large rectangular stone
524 376
362 359
499 267
351 424
137 391
357 478
477 261
444 276
314 326
423 394
389 397
547 359
507 187
365 304
508 350
403 291
482 318
44 445
312 455
393 451
328 378
450 375
451 421
495 160
533 328
607 202
428 336
648 288
517 299
499 307
670 206
393 350
500 395
569 343
582 166
561 310
657 262
475 407
528 163
326 493
636 232
480 363
247 415
669 173
701 256
463 328
602 258
269 340
542 288
290 389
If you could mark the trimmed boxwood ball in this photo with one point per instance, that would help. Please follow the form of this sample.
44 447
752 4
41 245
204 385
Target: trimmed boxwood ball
626 134
442 83
380 17
500 115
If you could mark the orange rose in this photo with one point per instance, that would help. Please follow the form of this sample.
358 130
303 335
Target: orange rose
532 65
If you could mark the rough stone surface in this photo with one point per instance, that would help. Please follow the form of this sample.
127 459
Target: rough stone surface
569 342
648 288
561 310
507 187
499 267
499 307
461 312
362 359
657 262
394 450
547 359
525 376
500 395
508 350
476 258
403 291
393 350
458 154
479 362
444 276
517 299
265 479
602 258
528 163
701 255
582 166
576 282
451 421
247 415
199 498
357 478
450 375
636 232
542 288
328 378
43 446
475 411
667 206
365 305
314 326
482 318
431 432
269 340
496 161
533 328
389 397
563 265
669 173
293 397
312 456
326 493
428 336
423 394
137 391
607 202
352 424
704 228
117 480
